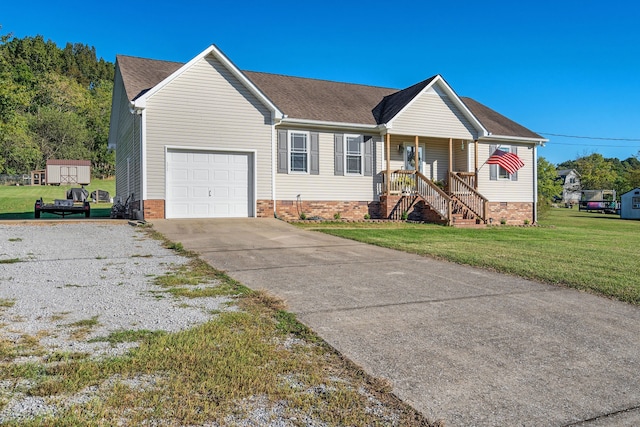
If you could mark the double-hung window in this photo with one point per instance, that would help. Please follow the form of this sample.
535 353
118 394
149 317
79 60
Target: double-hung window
353 154
502 172
298 151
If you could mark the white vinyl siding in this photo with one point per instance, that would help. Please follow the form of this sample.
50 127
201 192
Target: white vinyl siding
503 190
326 185
207 107
433 114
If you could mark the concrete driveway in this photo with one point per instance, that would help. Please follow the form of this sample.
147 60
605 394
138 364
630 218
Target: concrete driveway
468 346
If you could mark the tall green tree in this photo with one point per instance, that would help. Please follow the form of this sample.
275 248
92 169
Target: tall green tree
549 184
54 103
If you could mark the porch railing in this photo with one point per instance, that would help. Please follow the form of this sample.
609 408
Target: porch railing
468 195
402 182
469 177
413 183
433 196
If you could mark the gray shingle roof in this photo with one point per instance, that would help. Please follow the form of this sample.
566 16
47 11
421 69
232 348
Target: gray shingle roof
141 74
495 122
322 100
393 103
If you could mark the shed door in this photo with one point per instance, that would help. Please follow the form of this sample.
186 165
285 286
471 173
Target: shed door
209 184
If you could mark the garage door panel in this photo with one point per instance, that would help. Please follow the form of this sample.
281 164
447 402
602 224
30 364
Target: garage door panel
180 192
209 185
179 174
221 175
200 210
200 158
200 192
178 157
201 175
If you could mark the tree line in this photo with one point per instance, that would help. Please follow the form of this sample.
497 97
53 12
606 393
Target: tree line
596 173
55 103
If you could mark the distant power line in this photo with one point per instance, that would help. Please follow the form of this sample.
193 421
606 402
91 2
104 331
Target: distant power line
591 137
593 145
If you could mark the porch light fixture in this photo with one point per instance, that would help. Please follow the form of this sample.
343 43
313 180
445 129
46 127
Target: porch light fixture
399 148
462 146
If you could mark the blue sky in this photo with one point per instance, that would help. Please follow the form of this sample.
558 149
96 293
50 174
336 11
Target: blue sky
566 67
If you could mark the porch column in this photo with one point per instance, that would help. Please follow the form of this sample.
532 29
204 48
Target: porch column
388 153
416 156
450 155
475 154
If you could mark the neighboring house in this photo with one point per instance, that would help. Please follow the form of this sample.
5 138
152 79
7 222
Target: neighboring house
571 187
205 139
630 204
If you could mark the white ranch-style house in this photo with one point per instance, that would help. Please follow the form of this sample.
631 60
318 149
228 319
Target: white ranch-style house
205 140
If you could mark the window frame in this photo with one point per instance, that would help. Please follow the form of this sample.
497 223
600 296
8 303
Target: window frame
499 175
360 154
290 151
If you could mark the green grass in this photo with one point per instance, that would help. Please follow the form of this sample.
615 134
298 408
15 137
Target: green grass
16 202
211 372
594 252
5 303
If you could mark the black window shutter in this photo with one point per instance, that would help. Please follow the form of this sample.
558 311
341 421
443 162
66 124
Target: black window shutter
283 165
493 169
514 176
338 147
314 154
368 155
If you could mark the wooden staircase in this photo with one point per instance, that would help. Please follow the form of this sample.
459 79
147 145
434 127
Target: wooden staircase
462 206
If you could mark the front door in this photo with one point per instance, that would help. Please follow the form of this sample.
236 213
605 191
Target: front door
410 157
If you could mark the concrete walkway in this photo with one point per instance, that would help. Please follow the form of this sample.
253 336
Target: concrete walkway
472 347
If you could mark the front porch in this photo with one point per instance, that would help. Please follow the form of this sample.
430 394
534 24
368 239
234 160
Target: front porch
433 178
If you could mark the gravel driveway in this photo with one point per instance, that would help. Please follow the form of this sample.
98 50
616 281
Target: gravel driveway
57 276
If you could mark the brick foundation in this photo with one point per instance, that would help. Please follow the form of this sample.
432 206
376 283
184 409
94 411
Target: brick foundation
154 209
291 210
264 209
514 213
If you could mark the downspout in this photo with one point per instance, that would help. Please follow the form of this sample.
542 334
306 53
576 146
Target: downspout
274 165
143 151
535 184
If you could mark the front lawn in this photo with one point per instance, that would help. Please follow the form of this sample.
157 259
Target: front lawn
593 252
16 202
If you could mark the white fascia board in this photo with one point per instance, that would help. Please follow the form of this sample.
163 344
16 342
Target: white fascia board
141 102
505 138
331 125
456 100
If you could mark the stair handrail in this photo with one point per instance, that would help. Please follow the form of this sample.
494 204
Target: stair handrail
468 196
434 196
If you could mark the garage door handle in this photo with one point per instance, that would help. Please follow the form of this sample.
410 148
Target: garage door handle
209 193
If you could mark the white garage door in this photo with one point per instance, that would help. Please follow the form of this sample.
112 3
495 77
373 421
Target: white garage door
208 185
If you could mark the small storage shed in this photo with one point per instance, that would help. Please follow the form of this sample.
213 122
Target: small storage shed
68 172
630 204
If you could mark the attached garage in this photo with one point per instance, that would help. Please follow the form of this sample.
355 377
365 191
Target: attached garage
210 184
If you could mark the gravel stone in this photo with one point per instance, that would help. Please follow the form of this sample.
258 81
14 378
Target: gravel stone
76 271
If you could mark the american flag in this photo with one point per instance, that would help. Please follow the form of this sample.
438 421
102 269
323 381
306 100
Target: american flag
509 161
